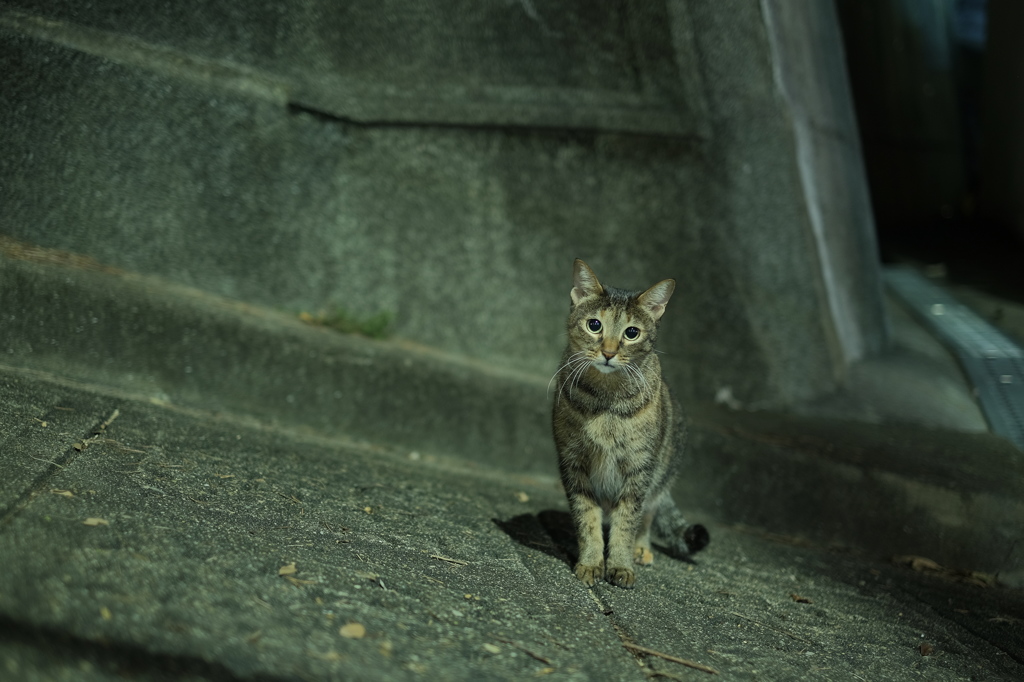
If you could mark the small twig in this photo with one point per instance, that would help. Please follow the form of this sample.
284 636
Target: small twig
110 420
668 657
543 659
457 562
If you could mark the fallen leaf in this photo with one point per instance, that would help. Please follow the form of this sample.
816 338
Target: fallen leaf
368 510
62 493
492 648
288 569
917 563
105 613
79 446
353 631
522 496
798 599
93 521
926 649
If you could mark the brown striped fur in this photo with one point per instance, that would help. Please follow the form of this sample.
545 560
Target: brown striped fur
618 430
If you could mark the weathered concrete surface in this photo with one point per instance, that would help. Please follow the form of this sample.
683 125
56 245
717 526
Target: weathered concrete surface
168 343
455 571
892 453
630 68
454 190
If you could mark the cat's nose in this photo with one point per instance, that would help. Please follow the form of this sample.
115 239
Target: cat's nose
608 355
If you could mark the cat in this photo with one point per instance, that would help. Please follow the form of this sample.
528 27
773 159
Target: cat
618 431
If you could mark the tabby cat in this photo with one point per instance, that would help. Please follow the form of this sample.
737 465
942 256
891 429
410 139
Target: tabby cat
619 431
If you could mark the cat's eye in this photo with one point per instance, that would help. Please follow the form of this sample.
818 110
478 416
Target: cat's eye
594 325
632 333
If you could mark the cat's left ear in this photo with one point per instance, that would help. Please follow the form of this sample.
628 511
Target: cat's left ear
656 298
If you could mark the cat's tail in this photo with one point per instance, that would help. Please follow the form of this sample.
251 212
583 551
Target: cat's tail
681 537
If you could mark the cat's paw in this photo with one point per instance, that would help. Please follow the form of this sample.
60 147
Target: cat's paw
621 577
643 556
589 575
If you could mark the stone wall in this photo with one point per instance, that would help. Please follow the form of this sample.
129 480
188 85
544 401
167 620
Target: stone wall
445 162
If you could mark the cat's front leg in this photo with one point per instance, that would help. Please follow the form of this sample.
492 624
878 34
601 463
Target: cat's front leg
587 517
625 522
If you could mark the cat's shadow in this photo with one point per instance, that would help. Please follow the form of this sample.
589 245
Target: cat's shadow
551 531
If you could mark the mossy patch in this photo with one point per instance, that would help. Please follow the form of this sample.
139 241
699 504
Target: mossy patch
376 326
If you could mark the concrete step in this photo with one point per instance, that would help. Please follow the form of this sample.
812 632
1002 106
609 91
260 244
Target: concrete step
884 489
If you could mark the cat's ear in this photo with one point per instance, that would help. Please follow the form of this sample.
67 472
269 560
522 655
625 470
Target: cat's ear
656 298
584 282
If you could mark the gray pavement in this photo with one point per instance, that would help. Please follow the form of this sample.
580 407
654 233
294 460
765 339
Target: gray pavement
161 546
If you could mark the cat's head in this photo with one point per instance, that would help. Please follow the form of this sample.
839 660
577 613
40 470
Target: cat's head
611 327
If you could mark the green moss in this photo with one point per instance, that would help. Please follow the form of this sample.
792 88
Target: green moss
376 326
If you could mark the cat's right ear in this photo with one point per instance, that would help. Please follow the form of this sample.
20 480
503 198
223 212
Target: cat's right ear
584 282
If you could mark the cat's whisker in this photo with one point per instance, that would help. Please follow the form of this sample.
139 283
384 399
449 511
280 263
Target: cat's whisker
572 358
638 379
578 372
576 365
643 379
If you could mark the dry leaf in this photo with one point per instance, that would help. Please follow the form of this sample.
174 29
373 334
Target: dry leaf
522 496
288 569
917 563
352 631
492 648
368 510
93 521
79 446
105 613
926 649
62 493
798 599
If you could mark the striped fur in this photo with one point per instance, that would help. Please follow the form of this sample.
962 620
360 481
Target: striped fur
618 430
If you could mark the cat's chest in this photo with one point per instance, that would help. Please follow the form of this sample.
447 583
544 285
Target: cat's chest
617 442
617 435
619 445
